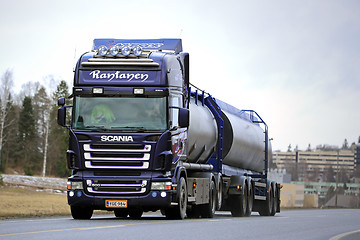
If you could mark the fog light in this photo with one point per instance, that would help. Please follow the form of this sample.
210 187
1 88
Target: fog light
163 194
71 194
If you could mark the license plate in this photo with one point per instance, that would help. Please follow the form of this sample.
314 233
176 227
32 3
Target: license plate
116 203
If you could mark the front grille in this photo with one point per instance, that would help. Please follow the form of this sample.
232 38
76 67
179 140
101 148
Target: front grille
116 186
117 156
112 174
116 146
117 163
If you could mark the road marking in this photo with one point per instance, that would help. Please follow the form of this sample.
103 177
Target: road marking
101 227
62 230
338 237
124 225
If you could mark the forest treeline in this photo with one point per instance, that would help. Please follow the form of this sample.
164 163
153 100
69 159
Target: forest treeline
31 141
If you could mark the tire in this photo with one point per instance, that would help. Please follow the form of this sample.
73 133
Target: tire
274 208
268 205
179 211
121 213
208 210
194 212
136 213
250 201
239 204
81 212
219 195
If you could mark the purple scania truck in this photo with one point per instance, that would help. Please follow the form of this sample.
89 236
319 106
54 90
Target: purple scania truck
142 138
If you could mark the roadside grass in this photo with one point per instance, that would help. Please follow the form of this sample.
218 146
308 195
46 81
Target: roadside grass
22 202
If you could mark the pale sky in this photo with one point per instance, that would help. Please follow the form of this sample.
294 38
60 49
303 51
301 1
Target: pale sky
297 63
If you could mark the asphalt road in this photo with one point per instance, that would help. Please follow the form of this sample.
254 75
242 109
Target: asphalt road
331 224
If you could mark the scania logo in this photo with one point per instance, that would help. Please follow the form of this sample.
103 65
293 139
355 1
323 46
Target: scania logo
117 138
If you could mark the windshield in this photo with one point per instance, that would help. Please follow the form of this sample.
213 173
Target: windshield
120 113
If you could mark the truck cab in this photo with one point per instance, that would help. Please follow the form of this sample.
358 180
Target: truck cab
128 125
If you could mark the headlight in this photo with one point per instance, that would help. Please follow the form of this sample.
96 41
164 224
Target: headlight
161 186
75 185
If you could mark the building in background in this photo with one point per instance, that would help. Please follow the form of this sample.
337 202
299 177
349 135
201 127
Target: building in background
279 175
317 165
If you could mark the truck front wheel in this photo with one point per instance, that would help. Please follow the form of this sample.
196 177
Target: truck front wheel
179 211
121 213
81 212
136 213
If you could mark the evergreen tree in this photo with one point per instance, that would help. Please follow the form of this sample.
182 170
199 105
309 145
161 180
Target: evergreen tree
10 134
58 136
309 148
28 140
345 145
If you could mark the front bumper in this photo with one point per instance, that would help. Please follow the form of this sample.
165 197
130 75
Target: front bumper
153 200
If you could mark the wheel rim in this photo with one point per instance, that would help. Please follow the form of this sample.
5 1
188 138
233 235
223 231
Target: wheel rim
219 196
182 198
213 198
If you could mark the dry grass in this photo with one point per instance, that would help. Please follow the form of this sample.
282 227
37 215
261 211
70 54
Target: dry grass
18 202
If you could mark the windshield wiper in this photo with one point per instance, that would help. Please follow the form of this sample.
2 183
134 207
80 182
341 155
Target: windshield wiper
138 129
96 127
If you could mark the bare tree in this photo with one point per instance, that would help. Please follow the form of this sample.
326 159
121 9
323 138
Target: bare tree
42 105
5 91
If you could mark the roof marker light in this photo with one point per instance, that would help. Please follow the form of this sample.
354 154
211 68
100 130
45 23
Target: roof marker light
137 51
98 90
126 50
114 50
102 50
138 91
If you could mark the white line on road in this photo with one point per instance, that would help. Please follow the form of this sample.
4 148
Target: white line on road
338 237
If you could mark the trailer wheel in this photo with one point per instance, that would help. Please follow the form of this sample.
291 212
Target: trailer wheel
208 210
239 204
268 205
275 200
121 213
250 201
81 212
179 211
193 212
219 196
